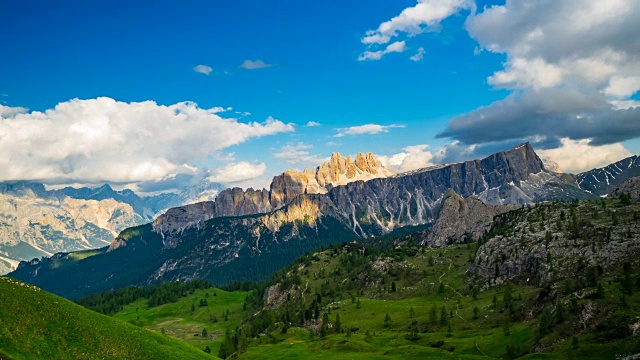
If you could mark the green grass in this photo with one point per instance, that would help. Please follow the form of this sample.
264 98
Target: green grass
35 324
180 322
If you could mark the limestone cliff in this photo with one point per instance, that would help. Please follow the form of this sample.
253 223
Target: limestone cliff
284 188
462 220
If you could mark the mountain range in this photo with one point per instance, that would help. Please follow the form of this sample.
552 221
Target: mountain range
36 222
246 235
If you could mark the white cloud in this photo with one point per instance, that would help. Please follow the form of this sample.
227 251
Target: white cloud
366 129
625 104
426 15
203 69
396 47
577 156
237 172
8 111
312 123
298 154
569 43
412 158
418 56
104 140
572 67
257 64
520 73
623 86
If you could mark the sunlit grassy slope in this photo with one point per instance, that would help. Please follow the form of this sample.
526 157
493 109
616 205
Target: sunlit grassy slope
35 324
179 321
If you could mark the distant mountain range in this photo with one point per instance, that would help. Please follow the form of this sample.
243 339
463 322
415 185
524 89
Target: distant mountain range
245 235
36 222
604 180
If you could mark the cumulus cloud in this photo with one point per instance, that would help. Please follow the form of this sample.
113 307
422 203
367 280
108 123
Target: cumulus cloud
104 140
237 172
298 154
426 15
418 56
396 47
411 158
8 111
572 67
548 113
366 129
312 123
253 65
203 69
577 156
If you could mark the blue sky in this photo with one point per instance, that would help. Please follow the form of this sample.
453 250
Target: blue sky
56 51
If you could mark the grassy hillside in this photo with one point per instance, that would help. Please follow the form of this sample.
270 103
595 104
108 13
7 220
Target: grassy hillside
35 324
188 317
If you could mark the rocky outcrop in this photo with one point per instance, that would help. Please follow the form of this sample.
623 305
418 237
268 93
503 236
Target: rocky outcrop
462 220
630 187
275 296
340 170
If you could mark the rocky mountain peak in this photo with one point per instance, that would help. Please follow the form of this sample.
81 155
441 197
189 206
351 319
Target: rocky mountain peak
22 188
340 170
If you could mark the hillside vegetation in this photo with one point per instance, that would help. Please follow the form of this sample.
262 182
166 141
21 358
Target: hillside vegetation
35 324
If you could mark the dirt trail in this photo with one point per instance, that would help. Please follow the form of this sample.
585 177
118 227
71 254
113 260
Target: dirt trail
482 352
306 286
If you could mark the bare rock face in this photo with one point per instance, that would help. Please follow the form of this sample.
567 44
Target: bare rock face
178 219
284 188
630 186
548 249
275 297
462 220
384 201
340 170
